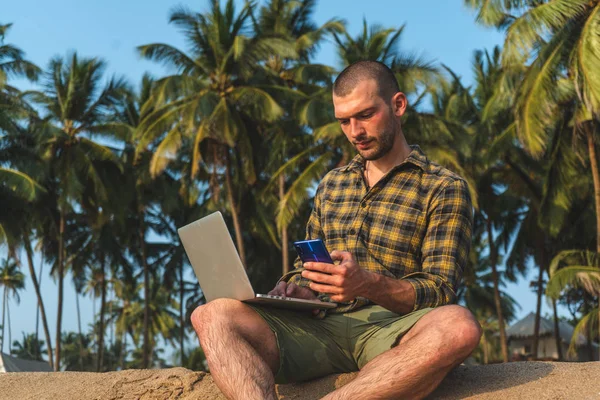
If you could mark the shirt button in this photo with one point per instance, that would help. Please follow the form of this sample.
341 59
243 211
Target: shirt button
352 231
363 205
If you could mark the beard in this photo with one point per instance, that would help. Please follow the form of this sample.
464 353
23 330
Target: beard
379 146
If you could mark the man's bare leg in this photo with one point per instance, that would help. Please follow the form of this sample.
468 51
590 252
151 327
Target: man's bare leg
441 339
240 348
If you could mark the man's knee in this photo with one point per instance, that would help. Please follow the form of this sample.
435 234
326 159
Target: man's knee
214 312
453 330
458 330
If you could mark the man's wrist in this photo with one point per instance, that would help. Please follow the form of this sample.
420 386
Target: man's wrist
372 281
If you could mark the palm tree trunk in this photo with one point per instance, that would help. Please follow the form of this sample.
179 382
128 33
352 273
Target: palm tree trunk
596 176
234 210
146 350
60 289
37 310
111 325
284 233
123 351
40 308
181 316
100 359
9 328
79 329
538 312
497 301
538 309
486 355
557 338
3 319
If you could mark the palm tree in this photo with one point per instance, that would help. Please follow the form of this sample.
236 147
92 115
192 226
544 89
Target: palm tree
141 202
562 40
179 207
12 280
213 96
74 99
579 269
23 200
29 349
291 20
129 319
473 126
77 354
478 295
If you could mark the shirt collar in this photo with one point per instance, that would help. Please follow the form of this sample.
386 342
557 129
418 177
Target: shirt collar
415 157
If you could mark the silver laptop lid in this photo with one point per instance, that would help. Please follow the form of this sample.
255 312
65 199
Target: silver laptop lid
215 260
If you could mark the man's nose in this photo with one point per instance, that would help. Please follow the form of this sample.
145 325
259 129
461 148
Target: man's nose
356 128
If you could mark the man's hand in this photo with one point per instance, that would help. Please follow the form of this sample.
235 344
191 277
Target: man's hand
292 290
344 282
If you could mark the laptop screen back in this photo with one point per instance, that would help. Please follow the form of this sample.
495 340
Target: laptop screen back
215 259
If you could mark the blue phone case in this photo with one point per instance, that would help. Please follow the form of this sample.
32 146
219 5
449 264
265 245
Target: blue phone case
313 250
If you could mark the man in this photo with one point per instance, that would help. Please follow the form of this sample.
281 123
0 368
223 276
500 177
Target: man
399 226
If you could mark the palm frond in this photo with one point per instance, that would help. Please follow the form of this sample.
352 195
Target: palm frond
582 329
166 151
586 277
22 185
297 193
525 32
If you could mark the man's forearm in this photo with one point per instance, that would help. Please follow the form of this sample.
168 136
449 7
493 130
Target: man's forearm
394 294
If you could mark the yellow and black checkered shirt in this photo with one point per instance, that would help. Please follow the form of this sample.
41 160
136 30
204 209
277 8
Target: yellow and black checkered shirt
414 224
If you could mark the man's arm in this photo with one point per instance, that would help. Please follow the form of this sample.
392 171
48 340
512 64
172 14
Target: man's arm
444 256
445 247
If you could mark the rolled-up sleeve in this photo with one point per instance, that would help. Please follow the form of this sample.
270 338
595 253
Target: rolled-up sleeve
445 247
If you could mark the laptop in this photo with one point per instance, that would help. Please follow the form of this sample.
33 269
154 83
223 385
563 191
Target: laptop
220 271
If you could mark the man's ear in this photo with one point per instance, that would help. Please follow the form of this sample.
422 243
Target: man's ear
399 104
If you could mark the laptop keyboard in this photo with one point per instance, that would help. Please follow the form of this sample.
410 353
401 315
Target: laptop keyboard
275 297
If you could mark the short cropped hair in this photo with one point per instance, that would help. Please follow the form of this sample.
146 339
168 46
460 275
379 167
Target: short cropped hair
355 73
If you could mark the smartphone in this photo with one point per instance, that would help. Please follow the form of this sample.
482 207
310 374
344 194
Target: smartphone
313 250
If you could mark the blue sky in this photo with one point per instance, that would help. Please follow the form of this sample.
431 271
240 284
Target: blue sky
441 31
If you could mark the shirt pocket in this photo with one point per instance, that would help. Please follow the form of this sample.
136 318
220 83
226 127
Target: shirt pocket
337 219
391 228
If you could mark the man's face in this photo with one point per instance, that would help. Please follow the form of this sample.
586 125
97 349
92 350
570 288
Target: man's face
368 121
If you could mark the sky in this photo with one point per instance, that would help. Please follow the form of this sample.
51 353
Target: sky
441 31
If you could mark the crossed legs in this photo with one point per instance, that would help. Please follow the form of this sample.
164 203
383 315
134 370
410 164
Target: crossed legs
242 353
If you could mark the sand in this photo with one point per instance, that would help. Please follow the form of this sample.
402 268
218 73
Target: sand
520 380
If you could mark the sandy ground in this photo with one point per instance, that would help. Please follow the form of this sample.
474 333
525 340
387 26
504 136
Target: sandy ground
523 380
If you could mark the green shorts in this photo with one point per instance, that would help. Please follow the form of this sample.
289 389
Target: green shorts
310 348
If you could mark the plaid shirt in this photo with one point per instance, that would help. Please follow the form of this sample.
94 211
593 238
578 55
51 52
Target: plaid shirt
414 224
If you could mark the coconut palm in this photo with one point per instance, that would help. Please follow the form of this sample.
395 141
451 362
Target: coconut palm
292 20
76 103
578 268
143 201
562 38
29 349
23 202
13 65
212 96
13 281
179 206
77 354
465 113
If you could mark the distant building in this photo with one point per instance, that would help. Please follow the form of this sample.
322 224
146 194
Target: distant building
14 364
520 341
